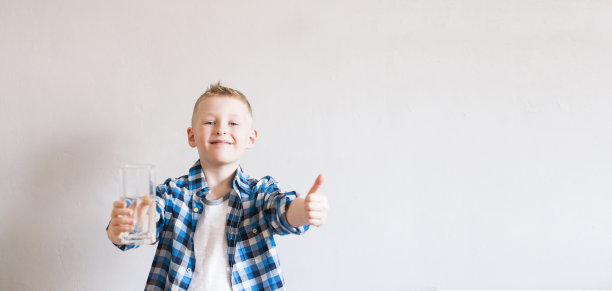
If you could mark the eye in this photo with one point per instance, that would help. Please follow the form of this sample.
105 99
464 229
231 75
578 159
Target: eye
233 123
209 123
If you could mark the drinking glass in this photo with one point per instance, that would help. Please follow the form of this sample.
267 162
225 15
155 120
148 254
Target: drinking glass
137 192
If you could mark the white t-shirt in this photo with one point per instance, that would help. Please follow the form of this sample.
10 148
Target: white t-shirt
212 270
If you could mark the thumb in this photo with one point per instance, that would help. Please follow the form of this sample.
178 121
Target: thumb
317 184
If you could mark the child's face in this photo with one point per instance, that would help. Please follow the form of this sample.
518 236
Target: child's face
221 130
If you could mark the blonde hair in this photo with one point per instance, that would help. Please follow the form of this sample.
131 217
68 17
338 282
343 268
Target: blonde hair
218 90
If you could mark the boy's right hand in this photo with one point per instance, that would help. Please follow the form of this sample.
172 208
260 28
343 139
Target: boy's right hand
121 221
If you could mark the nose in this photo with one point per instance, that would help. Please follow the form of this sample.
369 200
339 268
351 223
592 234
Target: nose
221 129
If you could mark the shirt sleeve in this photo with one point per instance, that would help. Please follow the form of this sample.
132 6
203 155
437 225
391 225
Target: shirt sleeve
276 204
161 199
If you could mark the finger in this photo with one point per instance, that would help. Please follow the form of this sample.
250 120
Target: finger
121 211
123 228
146 200
316 215
315 222
317 184
123 220
142 208
314 206
117 230
316 197
123 225
320 202
119 204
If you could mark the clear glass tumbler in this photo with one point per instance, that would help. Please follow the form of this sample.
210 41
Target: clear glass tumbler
138 185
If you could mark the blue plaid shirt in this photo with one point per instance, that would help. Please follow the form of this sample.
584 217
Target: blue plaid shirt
256 212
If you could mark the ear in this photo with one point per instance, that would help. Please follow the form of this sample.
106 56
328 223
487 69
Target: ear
191 137
252 139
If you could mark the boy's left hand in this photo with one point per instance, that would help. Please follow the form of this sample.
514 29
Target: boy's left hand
315 204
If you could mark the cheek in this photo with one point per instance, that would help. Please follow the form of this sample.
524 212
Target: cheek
202 135
243 137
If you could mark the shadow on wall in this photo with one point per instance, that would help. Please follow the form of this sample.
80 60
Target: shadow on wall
55 220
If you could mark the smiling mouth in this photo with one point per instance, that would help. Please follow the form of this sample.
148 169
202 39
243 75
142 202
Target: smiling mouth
221 142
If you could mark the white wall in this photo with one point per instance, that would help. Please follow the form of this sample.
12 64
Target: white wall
467 144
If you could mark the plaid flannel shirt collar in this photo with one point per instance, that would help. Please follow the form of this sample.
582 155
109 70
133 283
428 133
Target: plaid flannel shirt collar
198 185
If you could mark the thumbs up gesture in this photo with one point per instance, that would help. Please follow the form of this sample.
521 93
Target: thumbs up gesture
315 204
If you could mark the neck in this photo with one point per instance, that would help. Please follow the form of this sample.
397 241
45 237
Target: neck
219 179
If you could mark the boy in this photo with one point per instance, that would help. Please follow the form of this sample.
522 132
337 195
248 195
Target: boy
216 225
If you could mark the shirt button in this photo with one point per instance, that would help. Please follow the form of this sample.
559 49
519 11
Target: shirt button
254 230
188 270
195 209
